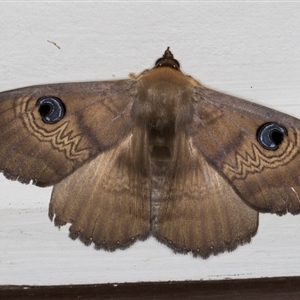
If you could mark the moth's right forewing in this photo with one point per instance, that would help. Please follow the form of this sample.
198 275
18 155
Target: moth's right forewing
226 131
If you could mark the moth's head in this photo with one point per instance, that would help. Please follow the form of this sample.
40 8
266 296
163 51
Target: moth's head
167 61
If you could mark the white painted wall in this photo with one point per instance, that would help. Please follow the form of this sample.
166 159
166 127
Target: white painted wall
251 50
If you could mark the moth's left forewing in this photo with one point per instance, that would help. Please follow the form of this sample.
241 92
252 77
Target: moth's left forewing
48 131
226 130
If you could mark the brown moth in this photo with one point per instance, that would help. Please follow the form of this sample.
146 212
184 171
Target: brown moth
156 155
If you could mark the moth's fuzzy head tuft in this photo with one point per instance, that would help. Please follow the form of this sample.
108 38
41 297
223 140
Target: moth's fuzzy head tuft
167 60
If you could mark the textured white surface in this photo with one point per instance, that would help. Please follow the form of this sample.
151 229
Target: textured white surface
250 50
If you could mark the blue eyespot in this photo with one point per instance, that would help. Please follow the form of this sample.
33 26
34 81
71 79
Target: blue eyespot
271 135
51 109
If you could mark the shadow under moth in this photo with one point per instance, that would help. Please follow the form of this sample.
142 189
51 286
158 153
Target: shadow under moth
158 154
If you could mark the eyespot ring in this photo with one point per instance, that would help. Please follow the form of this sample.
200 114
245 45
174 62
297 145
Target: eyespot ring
270 135
51 109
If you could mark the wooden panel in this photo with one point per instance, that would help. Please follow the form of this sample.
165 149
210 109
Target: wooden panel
267 288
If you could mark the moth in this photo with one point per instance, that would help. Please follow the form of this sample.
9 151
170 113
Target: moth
158 154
